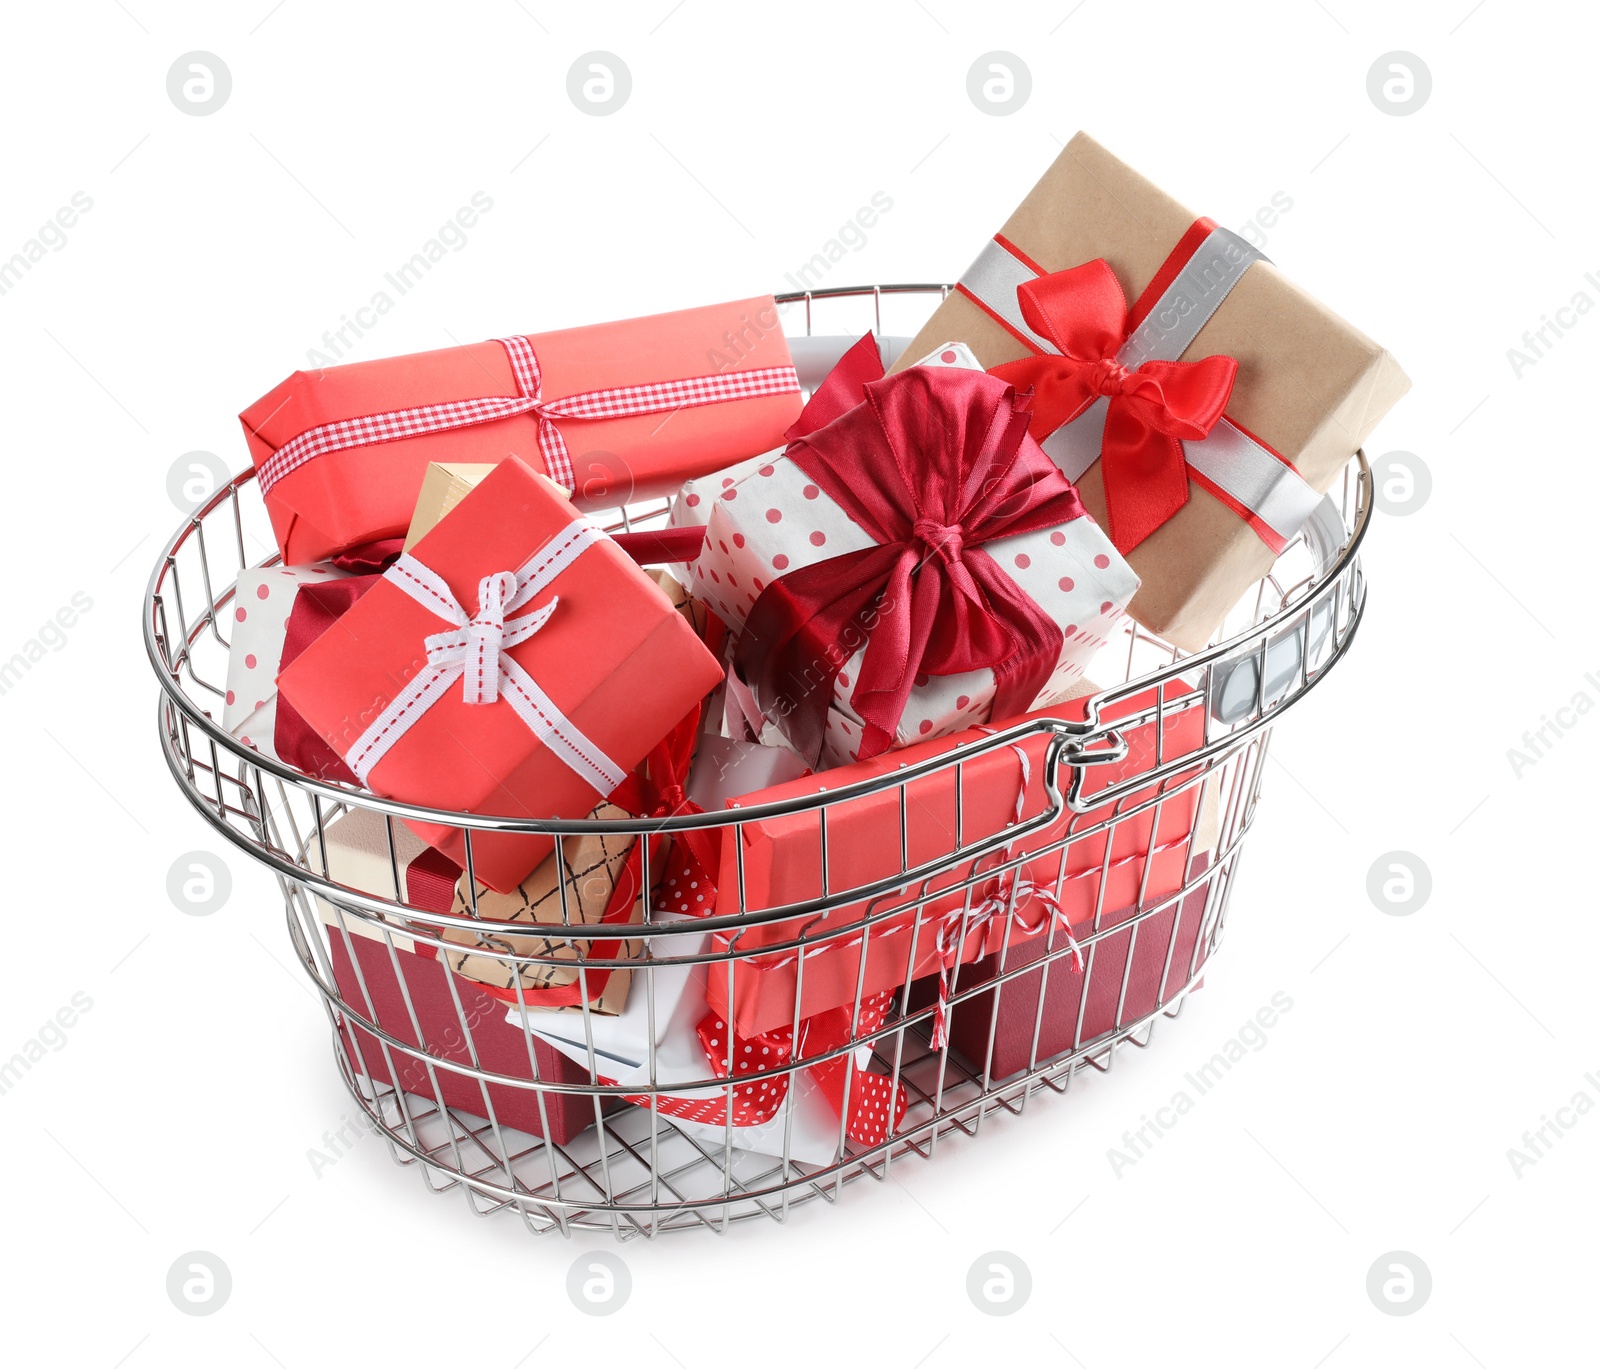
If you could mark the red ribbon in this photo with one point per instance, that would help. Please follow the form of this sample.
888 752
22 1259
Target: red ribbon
936 462
370 558
1154 408
870 1104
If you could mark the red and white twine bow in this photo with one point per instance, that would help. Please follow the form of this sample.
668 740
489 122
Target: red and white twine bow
476 650
1008 896
871 1105
622 401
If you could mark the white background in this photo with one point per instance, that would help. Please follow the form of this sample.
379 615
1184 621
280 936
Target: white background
179 1113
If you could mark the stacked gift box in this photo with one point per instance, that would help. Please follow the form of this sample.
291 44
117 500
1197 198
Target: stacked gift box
1122 410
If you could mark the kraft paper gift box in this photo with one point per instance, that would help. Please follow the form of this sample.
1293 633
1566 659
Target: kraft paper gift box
781 864
594 862
358 847
1309 387
777 520
262 600
595 667
614 412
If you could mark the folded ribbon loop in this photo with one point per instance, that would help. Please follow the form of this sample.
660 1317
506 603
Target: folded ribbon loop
1153 408
935 463
1009 896
478 650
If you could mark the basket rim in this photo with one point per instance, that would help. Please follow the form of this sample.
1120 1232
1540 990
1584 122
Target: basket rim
1071 738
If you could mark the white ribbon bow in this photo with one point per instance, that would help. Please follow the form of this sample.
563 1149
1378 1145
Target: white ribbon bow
476 650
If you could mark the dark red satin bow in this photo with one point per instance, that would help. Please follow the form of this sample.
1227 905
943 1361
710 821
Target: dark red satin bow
935 463
317 607
1154 408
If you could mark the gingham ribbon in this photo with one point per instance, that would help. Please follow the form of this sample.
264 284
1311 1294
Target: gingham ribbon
476 651
622 401
1231 464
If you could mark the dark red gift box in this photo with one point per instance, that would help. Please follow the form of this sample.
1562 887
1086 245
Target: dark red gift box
1154 981
501 1048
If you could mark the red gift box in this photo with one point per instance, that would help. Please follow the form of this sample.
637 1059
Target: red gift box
781 864
501 1048
614 412
1001 1039
588 681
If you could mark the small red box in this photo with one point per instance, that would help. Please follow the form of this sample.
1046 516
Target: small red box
501 1048
1154 981
617 661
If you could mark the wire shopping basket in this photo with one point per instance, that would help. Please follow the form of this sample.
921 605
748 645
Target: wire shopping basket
594 1116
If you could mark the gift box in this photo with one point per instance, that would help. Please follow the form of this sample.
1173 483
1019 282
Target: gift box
595 876
1202 425
910 567
695 499
802 1110
625 1050
726 769
412 998
410 995
317 607
622 1041
262 600
447 483
781 864
367 852
509 710
1001 1037
614 412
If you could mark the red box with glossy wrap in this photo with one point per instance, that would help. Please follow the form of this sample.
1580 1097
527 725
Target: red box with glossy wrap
366 492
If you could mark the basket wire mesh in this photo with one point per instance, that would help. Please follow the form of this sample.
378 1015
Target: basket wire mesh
410 1034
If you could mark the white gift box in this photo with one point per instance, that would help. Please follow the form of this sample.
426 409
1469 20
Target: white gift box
692 505
772 519
622 1054
262 600
726 769
256 731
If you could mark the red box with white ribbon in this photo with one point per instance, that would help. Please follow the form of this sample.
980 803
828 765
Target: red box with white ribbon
612 412
515 662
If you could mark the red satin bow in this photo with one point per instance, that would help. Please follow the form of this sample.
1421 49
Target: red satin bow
935 463
1154 408
656 790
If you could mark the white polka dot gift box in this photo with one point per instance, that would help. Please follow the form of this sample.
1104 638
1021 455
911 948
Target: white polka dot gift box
262 600
691 508
941 519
